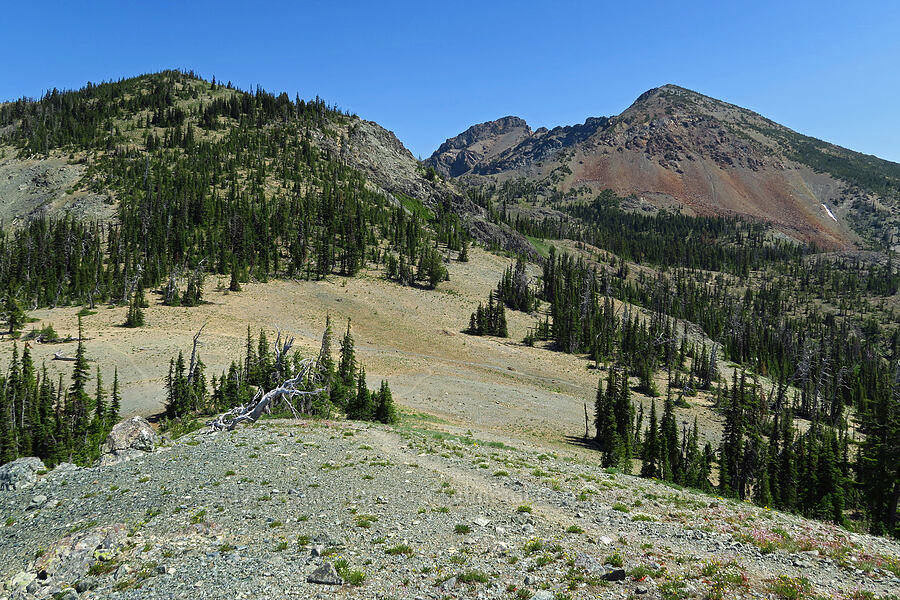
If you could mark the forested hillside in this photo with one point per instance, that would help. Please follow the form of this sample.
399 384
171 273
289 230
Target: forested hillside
204 179
811 342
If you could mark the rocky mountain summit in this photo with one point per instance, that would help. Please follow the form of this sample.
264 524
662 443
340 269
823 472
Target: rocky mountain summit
677 148
317 509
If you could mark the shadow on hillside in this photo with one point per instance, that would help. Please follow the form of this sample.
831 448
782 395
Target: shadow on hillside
582 442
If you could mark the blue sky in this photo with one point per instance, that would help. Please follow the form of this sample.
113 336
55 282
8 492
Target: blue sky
428 70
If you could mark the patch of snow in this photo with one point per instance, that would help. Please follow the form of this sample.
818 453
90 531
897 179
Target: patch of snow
830 214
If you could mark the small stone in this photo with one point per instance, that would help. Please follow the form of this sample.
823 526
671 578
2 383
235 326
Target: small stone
37 502
449 584
543 595
482 521
67 594
325 575
528 528
88 583
317 550
640 590
614 575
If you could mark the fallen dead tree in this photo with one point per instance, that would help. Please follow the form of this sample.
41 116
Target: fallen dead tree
297 393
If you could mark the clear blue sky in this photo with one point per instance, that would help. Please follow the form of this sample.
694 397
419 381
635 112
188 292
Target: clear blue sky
428 70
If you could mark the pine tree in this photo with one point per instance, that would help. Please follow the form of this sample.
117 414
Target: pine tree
347 362
249 360
361 407
234 285
671 452
732 451
605 420
45 443
100 398
651 456
464 252
79 404
135 315
385 412
624 415
15 316
115 401
878 464
178 403
8 449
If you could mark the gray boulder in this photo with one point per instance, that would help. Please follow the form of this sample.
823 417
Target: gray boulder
127 440
325 575
69 559
20 473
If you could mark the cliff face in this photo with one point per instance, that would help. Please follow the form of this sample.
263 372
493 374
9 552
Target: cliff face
678 148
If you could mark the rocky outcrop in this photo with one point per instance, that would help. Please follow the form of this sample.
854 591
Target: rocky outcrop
478 144
20 473
389 166
127 440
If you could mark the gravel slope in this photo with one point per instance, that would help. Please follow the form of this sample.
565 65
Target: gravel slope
244 515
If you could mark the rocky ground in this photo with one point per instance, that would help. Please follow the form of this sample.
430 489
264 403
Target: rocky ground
406 512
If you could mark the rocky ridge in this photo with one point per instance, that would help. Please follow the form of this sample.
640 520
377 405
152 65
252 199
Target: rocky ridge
677 148
321 509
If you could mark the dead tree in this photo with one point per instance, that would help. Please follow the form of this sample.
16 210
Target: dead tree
263 403
193 364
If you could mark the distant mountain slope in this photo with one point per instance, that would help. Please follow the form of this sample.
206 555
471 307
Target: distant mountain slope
677 148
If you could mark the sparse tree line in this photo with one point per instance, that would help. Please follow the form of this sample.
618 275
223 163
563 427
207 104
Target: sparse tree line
47 419
822 473
821 369
189 394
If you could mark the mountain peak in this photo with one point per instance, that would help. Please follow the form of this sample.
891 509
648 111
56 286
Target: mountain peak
683 148
479 142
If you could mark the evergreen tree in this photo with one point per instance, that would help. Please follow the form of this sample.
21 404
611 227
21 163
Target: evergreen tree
361 406
347 362
135 315
325 360
115 401
234 285
878 465
78 406
15 316
651 454
385 412
178 401
624 415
